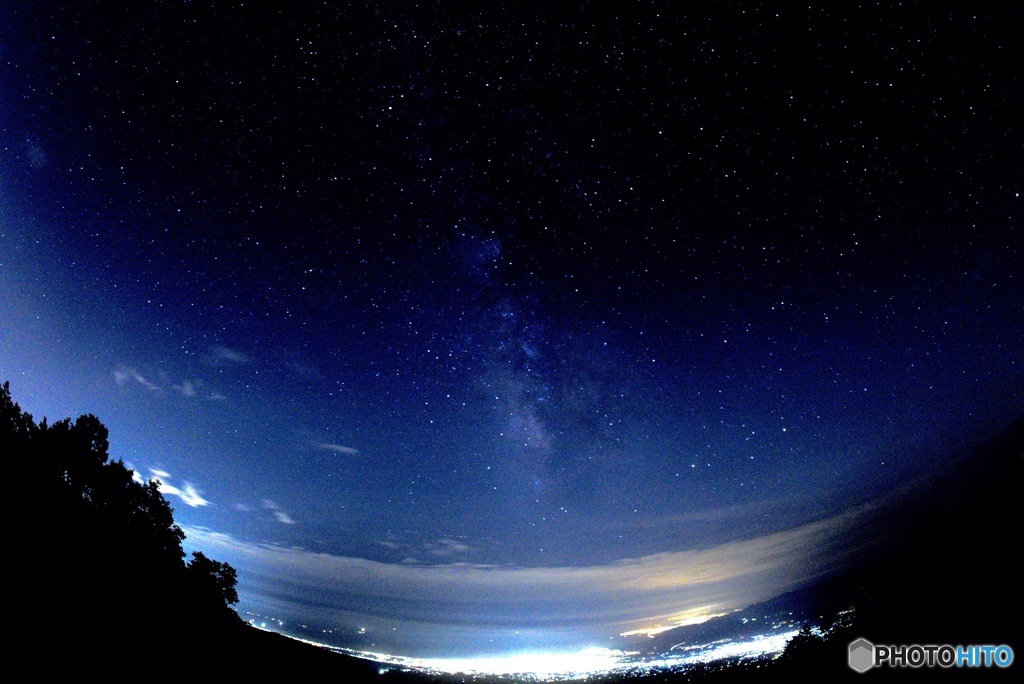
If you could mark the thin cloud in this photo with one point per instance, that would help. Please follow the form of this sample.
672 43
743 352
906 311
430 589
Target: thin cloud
123 375
187 388
229 355
448 547
284 518
188 493
338 448
279 513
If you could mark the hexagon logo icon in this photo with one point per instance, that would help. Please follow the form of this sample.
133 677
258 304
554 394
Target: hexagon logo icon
861 655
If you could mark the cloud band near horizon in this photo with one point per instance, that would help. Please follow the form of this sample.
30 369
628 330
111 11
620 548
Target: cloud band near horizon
416 609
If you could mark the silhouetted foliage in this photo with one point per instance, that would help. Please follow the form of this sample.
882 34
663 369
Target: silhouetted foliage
213 579
104 571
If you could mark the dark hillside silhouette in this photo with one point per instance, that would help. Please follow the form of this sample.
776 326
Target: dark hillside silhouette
954 580
957 579
100 581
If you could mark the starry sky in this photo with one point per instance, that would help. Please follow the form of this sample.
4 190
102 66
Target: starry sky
524 325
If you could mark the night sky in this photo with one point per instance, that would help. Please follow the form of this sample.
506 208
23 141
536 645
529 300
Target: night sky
517 326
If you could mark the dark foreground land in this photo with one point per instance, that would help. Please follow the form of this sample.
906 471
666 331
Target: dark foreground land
100 559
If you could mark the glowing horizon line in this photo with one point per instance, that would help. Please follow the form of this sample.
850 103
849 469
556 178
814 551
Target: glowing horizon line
561 665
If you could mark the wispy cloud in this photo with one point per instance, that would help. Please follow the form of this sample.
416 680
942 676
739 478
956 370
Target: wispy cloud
190 495
191 389
338 448
123 375
187 493
279 513
229 355
283 517
448 547
187 388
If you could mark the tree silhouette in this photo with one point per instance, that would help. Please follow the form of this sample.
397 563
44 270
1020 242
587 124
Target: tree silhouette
100 560
213 579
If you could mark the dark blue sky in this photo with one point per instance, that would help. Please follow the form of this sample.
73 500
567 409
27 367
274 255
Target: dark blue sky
416 310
